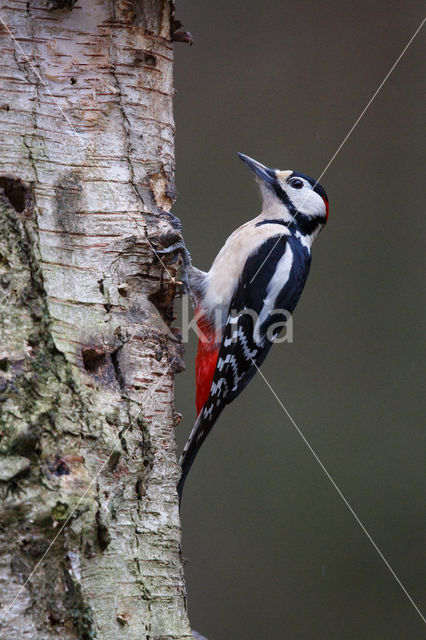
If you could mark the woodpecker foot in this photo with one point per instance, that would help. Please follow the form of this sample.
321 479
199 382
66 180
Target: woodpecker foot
179 249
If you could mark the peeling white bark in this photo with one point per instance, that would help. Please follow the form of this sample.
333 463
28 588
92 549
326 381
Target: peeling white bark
87 126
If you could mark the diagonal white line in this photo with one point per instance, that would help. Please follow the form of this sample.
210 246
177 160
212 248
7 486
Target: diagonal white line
299 431
339 491
285 410
79 136
373 97
348 135
101 468
34 68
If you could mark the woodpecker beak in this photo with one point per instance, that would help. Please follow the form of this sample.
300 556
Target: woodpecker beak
267 175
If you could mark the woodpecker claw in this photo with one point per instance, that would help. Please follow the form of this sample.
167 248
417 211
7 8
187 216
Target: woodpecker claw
179 248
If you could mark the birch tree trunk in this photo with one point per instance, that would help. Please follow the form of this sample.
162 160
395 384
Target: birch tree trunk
89 521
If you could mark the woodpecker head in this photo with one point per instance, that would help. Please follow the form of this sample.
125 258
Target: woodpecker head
302 202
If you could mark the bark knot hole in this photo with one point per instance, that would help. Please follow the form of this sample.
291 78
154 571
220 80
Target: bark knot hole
163 302
93 359
15 191
145 57
4 364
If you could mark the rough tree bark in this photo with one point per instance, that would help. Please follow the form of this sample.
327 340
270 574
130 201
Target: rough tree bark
86 373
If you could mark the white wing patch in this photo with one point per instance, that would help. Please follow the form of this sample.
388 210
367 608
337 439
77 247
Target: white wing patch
277 282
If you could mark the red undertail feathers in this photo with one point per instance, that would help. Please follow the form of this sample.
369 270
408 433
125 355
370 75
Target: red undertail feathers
205 362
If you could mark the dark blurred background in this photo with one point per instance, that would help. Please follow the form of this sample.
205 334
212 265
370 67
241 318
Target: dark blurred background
272 550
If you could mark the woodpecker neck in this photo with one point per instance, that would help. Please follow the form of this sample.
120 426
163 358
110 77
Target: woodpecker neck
307 240
273 207
304 227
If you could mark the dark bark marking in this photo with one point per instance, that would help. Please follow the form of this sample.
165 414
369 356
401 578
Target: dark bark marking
52 5
116 364
68 199
145 57
16 192
104 537
93 359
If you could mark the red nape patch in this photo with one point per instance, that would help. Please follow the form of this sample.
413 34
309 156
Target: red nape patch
326 209
205 362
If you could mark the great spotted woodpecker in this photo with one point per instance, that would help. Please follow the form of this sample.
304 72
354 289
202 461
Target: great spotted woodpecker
243 302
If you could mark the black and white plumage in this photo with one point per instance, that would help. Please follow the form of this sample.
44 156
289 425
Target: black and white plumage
253 285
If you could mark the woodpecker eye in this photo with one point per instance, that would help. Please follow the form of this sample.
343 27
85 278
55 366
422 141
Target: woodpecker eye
296 183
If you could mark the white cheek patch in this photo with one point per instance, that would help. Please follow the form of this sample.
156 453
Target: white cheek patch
306 200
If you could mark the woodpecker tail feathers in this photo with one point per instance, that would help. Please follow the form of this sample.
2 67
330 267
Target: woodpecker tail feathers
199 433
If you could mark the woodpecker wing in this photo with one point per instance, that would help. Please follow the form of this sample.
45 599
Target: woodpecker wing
253 310
245 341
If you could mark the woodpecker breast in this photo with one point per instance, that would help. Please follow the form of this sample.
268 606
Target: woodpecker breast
222 279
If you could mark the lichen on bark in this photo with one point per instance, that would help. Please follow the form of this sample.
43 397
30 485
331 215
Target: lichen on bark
87 450
41 447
